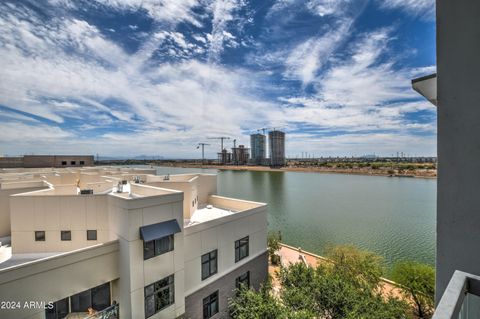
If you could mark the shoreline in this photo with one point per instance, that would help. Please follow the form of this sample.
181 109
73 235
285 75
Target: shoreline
299 169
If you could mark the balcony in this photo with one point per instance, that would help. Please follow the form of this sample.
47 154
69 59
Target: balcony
461 299
107 313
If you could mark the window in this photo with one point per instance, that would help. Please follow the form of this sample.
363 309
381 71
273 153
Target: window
241 249
82 162
210 305
243 280
40 235
91 234
58 311
157 247
65 235
209 264
159 295
73 163
98 298
64 163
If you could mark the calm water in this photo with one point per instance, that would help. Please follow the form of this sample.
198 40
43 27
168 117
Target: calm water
394 217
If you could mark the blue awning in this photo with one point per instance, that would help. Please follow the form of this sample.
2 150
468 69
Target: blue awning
156 231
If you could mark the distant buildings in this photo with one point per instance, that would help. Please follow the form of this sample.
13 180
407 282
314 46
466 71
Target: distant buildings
276 141
38 161
240 155
258 146
125 241
276 146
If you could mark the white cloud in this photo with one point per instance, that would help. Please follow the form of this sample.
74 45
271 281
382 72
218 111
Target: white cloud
362 93
306 59
223 12
65 68
423 8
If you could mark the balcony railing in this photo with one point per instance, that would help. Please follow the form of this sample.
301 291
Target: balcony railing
107 313
461 299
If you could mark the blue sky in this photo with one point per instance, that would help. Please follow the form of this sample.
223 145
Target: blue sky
124 78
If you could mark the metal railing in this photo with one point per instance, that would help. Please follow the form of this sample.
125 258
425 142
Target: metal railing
456 301
107 313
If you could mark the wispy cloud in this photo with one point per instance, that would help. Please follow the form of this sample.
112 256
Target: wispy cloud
422 8
70 85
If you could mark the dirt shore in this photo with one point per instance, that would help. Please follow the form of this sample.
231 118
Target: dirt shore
429 174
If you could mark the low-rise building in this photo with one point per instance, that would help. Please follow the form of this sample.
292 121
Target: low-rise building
38 161
125 243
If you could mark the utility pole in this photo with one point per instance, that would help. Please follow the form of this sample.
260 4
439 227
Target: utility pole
203 151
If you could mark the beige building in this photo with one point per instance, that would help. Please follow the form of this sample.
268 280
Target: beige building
38 161
124 243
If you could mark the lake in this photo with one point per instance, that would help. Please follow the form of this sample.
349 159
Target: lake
393 217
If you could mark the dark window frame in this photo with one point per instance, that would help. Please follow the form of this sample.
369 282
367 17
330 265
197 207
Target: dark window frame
243 280
99 298
82 163
40 235
242 249
158 290
73 162
210 261
154 247
210 305
65 235
91 231
81 301
60 309
64 163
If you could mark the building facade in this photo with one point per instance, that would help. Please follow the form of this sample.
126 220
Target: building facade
240 155
276 142
258 146
39 161
126 243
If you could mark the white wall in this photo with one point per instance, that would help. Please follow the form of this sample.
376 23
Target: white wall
221 234
39 281
54 213
5 206
126 218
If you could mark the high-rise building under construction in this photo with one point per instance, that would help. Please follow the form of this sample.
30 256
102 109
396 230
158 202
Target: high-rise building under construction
258 148
276 141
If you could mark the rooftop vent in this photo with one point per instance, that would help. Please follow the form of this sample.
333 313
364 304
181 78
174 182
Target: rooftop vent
120 187
86 192
167 177
209 206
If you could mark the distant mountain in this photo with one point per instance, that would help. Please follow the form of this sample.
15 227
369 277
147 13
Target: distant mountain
139 157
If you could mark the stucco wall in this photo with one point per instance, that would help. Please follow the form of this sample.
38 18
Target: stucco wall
5 207
458 192
56 278
126 218
225 285
221 234
52 214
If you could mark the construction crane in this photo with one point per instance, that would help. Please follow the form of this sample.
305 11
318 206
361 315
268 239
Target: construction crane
263 129
203 150
221 138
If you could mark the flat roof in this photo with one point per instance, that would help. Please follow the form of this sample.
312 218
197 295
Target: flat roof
207 213
8 260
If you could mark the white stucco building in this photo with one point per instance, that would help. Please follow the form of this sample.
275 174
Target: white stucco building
124 243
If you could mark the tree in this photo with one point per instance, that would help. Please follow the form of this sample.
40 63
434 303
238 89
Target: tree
346 288
273 243
251 304
418 281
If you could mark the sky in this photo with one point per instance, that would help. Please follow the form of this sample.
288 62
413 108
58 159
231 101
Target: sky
143 77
